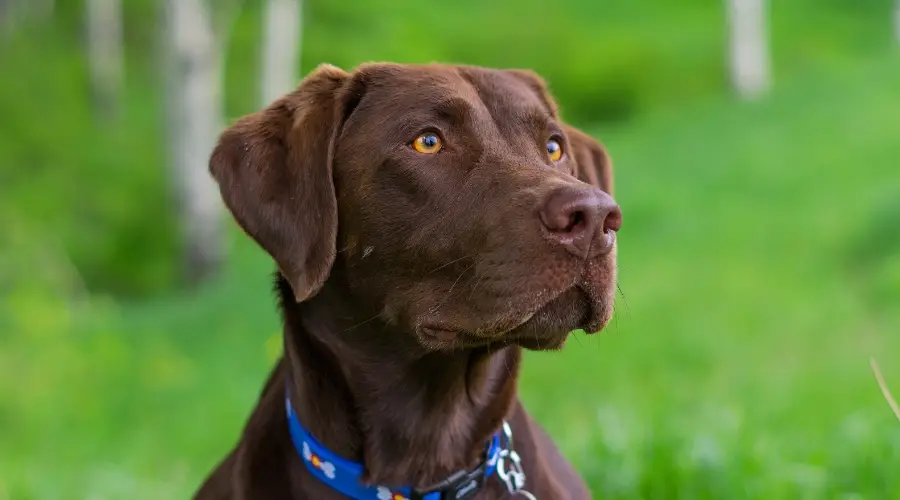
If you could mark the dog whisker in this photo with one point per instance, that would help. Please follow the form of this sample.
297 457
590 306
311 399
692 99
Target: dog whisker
578 340
373 318
454 261
446 298
477 282
506 365
624 300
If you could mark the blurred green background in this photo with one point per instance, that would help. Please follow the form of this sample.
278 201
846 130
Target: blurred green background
759 259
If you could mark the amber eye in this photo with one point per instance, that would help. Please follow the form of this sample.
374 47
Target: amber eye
554 150
428 143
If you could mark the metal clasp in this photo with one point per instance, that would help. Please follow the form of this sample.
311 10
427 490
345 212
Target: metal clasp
509 466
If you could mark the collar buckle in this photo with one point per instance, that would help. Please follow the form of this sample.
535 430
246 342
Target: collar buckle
461 485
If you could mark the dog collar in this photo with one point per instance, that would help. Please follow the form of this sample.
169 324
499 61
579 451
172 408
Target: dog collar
345 476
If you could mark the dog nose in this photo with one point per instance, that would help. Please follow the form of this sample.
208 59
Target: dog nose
582 219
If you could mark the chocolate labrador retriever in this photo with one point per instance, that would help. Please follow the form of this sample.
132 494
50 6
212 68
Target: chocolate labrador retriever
428 222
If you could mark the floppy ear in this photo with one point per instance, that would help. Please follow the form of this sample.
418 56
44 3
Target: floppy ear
592 162
274 172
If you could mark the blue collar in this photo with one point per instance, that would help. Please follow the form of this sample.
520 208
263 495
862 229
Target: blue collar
344 475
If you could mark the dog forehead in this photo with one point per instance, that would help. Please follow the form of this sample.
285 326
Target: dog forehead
410 80
504 88
404 86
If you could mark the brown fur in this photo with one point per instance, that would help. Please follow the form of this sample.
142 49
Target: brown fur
410 282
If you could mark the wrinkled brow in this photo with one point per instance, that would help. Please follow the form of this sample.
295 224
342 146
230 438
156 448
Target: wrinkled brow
443 112
453 109
457 110
538 119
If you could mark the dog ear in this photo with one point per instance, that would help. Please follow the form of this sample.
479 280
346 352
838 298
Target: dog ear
274 173
592 162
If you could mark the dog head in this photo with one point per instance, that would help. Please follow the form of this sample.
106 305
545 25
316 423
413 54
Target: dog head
453 199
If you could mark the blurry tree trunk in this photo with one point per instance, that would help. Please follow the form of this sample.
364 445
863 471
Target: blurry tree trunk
282 28
897 21
194 112
43 9
748 46
13 12
104 39
7 21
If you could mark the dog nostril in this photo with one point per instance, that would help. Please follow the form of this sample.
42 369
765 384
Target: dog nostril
613 220
576 220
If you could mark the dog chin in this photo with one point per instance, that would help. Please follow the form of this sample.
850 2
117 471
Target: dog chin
550 326
545 328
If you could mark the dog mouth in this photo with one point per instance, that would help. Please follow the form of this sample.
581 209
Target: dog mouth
544 328
582 306
539 320
573 309
550 325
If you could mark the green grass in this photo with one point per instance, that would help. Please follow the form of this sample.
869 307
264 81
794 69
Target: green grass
759 270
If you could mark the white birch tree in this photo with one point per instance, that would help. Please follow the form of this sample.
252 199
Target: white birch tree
13 12
897 21
749 58
194 89
105 58
282 29
43 9
7 21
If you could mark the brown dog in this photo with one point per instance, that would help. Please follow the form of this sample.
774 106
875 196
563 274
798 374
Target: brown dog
428 222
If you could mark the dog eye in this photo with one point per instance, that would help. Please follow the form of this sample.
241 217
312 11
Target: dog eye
554 150
427 143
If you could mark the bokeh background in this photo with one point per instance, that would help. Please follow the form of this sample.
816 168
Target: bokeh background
759 258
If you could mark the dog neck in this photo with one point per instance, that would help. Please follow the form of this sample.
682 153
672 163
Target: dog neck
372 394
